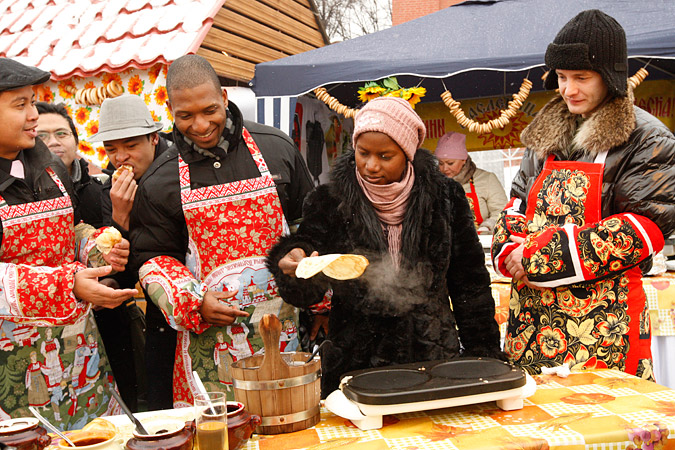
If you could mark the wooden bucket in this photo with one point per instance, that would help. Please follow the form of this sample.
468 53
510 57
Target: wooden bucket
286 397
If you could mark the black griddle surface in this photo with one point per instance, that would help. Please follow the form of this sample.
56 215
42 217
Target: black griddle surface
431 380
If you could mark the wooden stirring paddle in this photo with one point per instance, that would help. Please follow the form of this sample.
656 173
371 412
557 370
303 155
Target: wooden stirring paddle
273 366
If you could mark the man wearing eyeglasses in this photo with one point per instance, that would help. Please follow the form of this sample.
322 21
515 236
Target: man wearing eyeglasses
56 129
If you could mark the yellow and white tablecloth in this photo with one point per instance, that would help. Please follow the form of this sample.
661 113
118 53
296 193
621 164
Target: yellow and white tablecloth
660 292
594 410
600 410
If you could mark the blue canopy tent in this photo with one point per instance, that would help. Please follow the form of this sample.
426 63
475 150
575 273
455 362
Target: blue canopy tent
477 48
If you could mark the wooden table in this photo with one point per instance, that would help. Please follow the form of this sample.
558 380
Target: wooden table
601 410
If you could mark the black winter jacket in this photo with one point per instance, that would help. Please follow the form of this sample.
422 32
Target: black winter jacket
387 317
38 185
639 173
106 203
88 190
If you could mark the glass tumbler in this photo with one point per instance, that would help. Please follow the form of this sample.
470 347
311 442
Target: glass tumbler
211 421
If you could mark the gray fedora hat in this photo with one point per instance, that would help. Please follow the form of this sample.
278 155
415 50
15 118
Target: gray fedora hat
124 117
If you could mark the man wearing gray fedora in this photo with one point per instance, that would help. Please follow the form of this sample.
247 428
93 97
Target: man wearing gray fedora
131 140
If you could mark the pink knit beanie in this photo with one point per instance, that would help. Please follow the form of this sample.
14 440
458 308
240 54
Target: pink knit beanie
452 145
394 117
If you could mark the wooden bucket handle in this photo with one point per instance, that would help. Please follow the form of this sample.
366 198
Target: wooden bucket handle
273 363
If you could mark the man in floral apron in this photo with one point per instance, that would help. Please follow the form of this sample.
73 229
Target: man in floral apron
45 293
203 221
593 200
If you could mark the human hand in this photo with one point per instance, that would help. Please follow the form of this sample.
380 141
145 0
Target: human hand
87 288
514 262
318 321
290 262
111 283
118 257
122 194
218 313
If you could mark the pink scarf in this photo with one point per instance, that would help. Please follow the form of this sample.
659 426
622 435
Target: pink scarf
390 202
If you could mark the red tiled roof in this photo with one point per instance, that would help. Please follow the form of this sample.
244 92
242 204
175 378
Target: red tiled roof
86 37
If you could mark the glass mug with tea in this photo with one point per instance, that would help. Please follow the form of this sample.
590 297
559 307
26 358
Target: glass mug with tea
211 421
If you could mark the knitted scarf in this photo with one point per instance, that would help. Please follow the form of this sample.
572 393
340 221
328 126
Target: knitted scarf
390 202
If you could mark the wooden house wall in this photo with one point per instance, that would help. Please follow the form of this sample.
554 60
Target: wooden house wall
248 32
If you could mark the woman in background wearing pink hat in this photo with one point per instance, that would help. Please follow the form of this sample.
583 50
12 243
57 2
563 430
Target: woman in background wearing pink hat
388 201
483 190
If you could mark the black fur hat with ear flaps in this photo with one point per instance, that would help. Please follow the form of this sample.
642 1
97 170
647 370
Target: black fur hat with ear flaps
592 40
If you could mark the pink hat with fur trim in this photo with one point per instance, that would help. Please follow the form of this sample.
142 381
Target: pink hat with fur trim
452 145
394 117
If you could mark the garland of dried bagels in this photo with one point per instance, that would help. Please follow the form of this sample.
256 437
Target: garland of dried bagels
95 96
505 115
333 103
638 78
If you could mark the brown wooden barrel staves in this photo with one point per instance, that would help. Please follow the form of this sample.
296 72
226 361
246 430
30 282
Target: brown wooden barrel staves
286 397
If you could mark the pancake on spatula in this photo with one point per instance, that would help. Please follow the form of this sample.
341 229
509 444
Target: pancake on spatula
337 266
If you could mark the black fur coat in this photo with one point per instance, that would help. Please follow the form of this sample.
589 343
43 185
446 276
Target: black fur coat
388 317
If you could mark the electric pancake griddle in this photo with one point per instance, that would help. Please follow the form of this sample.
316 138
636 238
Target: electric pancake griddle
366 395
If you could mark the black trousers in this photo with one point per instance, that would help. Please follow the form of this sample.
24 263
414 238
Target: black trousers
160 352
122 331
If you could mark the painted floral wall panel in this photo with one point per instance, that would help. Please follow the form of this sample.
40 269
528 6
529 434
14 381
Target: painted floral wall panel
82 97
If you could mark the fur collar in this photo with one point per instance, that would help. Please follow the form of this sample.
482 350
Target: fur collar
553 129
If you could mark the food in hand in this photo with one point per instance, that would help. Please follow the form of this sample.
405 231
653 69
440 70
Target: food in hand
120 170
337 266
107 240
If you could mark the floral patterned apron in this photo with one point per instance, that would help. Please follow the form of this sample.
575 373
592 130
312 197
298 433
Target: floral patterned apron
472 196
231 227
588 325
43 365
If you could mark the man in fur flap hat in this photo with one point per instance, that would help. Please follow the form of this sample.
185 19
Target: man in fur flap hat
593 200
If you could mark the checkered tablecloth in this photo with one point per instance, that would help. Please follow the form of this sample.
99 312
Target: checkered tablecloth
599 410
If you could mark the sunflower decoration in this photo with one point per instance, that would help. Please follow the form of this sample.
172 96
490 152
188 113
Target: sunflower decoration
370 91
389 87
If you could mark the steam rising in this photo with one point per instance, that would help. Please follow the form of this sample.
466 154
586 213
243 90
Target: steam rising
395 292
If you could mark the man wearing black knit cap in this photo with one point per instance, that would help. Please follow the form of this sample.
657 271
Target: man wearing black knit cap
592 202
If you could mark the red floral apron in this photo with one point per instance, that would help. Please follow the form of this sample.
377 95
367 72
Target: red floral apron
41 234
231 228
588 325
472 196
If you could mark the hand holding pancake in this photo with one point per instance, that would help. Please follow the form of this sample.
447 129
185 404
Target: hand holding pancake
122 194
289 263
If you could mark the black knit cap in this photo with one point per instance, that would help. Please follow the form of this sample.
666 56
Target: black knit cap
590 41
14 75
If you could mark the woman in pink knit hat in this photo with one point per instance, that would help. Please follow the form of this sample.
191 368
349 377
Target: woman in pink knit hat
483 190
388 201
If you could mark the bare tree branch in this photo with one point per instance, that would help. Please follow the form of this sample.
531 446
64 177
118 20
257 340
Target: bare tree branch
346 19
